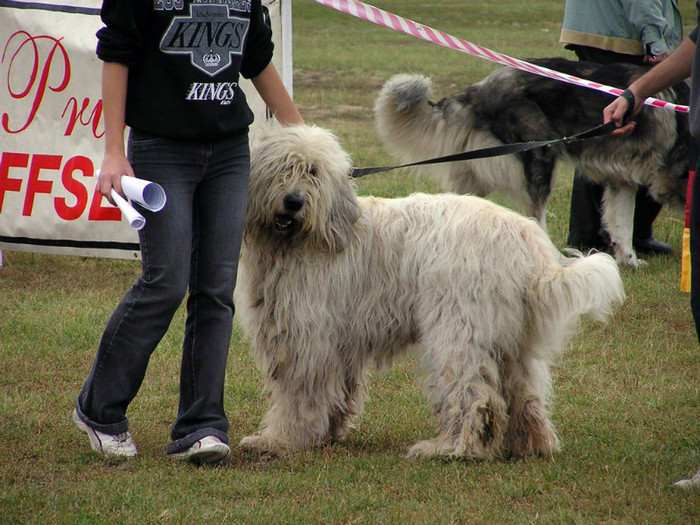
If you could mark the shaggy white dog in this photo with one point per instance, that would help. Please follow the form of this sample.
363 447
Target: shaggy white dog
332 285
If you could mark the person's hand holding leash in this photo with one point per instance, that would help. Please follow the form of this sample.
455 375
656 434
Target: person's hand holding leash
620 110
676 68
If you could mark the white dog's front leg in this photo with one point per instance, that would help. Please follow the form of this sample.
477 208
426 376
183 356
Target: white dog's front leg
312 402
294 422
618 219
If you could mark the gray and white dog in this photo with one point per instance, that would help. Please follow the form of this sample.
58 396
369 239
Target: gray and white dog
511 106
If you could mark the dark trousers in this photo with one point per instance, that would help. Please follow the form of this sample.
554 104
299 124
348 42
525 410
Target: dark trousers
694 226
585 217
189 248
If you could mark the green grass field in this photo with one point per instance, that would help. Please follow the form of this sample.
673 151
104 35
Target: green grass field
627 394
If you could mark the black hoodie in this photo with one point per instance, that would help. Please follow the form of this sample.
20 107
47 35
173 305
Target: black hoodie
185 59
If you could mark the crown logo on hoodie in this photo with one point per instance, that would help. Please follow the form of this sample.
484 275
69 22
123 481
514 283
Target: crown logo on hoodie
211 59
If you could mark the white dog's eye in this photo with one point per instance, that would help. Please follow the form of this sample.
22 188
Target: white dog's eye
312 170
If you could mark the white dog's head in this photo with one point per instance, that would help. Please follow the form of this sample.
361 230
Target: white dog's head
301 192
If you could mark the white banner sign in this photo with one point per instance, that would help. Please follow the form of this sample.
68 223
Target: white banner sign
51 128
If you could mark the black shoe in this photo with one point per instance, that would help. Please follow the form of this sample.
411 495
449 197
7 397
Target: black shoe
651 246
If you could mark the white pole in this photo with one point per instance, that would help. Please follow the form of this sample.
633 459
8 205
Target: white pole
286 23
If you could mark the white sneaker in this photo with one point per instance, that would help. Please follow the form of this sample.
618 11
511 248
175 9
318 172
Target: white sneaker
690 483
209 449
110 445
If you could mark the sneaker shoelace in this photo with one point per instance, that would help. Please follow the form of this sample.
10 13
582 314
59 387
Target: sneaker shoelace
122 438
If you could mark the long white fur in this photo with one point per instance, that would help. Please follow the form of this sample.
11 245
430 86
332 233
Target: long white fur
478 290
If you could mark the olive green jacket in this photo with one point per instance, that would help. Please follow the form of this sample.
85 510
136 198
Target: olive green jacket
632 27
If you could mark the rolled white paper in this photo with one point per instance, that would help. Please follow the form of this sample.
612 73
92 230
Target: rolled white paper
135 219
148 194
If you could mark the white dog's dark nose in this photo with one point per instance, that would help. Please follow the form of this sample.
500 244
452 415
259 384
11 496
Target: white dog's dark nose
292 202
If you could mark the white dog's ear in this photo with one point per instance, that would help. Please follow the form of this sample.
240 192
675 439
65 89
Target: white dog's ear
344 212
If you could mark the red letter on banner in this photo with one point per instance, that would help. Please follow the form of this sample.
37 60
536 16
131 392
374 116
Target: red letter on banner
34 185
98 213
11 160
32 43
70 213
77 115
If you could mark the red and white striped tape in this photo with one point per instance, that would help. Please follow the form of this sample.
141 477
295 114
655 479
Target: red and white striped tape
384 18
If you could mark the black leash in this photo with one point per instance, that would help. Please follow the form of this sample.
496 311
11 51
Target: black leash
495 151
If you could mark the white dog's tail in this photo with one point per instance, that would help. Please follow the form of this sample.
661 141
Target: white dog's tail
586 285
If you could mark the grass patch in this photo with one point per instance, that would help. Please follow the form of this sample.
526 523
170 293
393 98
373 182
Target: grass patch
627 394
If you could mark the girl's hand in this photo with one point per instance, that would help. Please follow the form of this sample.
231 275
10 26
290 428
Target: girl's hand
110 174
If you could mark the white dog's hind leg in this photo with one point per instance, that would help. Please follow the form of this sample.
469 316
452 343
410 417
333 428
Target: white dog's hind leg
342 417
618 218
471 410
526 385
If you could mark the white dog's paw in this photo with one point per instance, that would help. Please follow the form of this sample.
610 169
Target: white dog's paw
425 449
453 448
259 443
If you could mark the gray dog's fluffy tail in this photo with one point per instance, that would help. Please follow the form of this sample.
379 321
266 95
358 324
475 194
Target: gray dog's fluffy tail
407 123
403 93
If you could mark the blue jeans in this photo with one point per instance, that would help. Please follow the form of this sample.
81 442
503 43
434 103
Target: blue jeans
192 245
